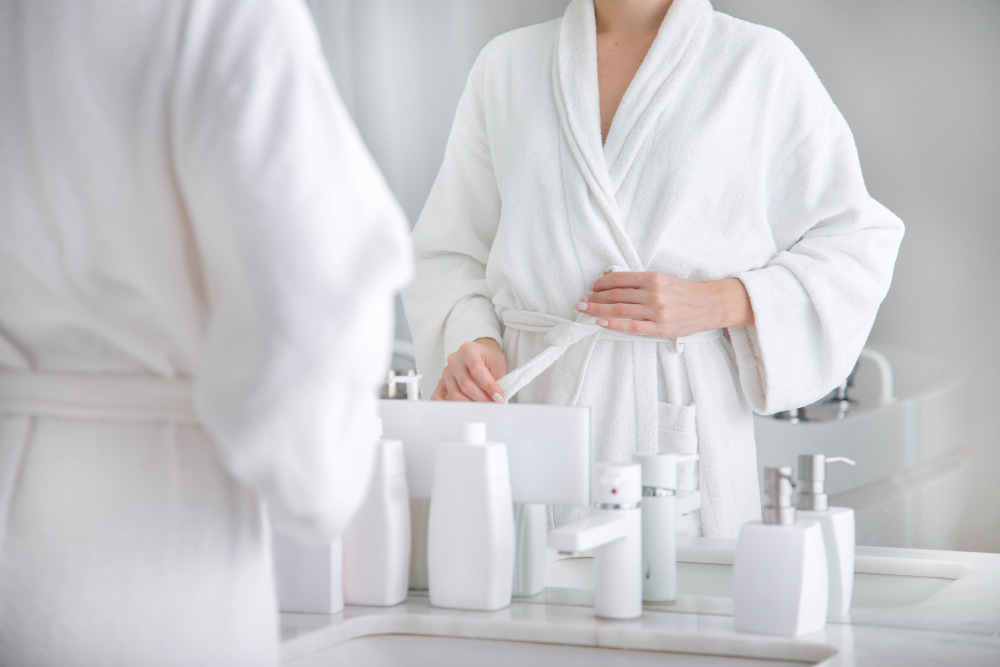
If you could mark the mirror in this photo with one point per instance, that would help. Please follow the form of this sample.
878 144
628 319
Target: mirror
915 80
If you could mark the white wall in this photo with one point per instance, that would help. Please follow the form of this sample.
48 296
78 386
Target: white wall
916 79
919 83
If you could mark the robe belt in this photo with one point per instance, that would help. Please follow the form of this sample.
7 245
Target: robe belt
561 334
86 396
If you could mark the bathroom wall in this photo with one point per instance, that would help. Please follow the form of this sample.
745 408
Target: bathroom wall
916 79
918 82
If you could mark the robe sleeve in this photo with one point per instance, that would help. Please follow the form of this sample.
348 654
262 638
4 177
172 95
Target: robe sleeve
301 248
815 302
449 301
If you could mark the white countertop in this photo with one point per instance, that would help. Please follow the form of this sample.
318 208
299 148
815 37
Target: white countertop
957 623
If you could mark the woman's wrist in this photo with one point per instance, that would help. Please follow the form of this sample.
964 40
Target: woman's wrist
489 342
730 304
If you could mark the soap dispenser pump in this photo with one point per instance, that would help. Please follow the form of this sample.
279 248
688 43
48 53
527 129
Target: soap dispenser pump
836 523
780 581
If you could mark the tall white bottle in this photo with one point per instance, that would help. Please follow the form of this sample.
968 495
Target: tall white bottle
376 542
837 525
780 573
470 536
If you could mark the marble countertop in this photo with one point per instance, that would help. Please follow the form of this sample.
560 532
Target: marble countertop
958 623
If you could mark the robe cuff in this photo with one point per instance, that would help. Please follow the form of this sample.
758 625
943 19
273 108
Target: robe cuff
767 352
472 318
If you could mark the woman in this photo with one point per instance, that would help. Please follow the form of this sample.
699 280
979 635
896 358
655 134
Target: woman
184 336
655 210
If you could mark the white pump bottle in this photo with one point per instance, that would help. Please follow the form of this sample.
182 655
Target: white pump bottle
837 524
780 574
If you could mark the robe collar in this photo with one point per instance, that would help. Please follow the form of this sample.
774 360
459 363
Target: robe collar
576 91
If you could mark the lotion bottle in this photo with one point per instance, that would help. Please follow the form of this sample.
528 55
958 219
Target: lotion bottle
470 536
376 542
837 525
779 574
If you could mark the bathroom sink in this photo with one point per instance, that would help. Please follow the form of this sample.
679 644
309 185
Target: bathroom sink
416 634
910 484
878 581
425 651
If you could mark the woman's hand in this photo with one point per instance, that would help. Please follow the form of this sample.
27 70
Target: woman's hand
472 373
660 305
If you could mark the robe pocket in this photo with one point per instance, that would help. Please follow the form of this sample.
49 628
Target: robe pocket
678 434
676 429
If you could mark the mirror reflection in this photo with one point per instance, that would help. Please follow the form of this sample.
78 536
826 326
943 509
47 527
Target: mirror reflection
906 412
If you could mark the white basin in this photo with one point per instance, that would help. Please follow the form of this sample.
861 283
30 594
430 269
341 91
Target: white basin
425 651
910 484
878 582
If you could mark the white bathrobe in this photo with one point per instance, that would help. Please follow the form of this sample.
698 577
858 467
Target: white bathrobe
726 158
197 264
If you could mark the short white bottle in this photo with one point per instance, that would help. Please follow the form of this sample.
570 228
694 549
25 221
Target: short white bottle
780 573
377 540
470 534
837 525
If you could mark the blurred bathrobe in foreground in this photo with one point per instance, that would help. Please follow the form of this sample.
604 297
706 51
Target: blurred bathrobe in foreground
197 265
726 158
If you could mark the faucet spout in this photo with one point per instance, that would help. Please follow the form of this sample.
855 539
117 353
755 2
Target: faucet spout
591 533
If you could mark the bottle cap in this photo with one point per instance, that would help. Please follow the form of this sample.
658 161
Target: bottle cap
389 458
474 433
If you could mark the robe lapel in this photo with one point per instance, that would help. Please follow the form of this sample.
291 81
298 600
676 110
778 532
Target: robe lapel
577 100
653 85
574 79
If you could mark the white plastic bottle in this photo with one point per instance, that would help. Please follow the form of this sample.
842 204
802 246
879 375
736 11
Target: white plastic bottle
376 542
780 574
470 536
837 525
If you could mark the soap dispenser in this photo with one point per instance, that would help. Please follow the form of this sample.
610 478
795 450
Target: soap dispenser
470 536
836 523
779 572
376 542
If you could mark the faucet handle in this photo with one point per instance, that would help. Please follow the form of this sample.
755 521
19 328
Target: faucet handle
617 486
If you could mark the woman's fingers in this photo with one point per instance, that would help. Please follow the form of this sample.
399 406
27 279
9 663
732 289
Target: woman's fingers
454 393
621 311
620 295
472 372
461 382
633 326
628 280
481 374
440 391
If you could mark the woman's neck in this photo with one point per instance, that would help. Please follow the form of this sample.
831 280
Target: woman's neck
630 16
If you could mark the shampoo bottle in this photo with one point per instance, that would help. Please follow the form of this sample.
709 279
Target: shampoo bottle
780 573
470 536
837 525
376 542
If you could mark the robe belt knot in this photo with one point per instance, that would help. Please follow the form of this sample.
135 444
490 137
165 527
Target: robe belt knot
562 334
